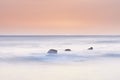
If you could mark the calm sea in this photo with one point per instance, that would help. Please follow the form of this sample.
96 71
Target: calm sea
26 57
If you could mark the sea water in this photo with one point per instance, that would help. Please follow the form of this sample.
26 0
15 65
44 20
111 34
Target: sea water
26 58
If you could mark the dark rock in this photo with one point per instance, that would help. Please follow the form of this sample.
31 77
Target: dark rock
91 48
52 51
67 49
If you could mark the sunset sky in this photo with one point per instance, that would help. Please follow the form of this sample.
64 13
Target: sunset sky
56 17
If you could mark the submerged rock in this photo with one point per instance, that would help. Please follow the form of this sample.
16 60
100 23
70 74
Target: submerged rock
52 51
67 49
91 48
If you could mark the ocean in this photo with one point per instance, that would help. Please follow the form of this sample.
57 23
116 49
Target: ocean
26 57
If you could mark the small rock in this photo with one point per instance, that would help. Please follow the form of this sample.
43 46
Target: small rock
91 48
52 51
67 49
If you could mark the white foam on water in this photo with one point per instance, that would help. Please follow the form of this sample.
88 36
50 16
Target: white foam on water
26 58
35 48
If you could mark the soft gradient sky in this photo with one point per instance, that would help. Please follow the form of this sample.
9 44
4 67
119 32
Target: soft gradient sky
60 17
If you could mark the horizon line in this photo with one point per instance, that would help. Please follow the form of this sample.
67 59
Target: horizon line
14 35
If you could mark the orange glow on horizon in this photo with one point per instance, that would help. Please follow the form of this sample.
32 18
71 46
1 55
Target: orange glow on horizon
59 17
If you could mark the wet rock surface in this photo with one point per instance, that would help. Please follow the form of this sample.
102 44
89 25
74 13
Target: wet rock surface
68 50
52 51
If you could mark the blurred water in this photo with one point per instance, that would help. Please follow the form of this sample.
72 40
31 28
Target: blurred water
26 58
34 48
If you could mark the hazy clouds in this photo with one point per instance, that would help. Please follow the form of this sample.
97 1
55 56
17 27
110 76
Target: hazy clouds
59 15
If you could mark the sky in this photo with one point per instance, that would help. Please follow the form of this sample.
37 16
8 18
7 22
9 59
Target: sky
60 17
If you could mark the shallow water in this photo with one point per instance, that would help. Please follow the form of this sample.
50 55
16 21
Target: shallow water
26 58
